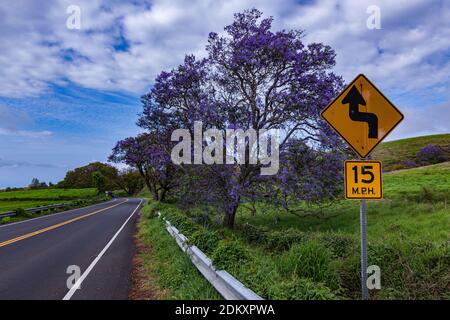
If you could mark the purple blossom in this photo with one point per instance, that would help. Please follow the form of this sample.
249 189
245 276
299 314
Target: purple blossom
431 154
252 77
150 155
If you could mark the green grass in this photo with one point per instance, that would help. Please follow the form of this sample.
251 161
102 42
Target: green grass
168 266
144 193
414 183
24 199
406 209
13 205
385 220
30 204
282 256
48 194
393 153
408 232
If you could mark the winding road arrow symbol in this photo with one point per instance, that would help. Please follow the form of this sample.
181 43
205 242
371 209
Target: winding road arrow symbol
354 99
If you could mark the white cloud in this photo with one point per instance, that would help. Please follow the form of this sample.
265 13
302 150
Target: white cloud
412 34
409 55
16 164
423 121
12 122
160 33
25 133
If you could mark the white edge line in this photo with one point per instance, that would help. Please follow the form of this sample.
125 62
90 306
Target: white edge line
97 259
56 214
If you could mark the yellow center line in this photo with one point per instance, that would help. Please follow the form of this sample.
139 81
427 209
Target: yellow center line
35 233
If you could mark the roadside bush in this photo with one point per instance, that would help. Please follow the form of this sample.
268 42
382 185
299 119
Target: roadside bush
412 269
204 215
172 214
150 211
276 240
398 166
312 260
206 240
147 212
229 255
387 256
349 273
254 234
409 163
426 194
22 213
431 154
172 274
283 240
260 274
19 212
182 222
301 289
339 245
5 220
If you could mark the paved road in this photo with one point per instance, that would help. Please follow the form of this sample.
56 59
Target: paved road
35 254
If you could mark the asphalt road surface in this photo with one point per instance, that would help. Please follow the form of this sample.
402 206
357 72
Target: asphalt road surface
89 248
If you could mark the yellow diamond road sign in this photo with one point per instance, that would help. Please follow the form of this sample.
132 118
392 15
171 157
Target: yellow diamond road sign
362 115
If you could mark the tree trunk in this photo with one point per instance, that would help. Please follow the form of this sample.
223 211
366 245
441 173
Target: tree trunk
148 183
155 194
228 219
162 196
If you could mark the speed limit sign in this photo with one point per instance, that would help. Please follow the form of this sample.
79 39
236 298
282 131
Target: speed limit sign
363 117
363 179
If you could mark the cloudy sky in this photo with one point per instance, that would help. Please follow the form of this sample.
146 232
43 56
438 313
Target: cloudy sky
67 95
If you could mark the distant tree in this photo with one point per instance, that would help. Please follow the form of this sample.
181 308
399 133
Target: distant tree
43 185
82 177
130 181
35 183
149 154
99 182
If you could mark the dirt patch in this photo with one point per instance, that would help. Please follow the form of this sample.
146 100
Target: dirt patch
142 285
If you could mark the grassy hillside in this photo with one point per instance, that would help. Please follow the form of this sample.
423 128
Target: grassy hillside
394 153
429 183
316 256
416 204
12 200
14 205
48 194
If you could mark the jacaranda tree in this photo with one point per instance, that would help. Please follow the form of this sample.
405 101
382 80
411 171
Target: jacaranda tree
149 154
251 78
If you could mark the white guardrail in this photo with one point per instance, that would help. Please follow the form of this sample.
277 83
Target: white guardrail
227 285
37 209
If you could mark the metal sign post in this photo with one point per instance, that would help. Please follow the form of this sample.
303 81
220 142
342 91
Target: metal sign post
363 225
363 117
362 180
